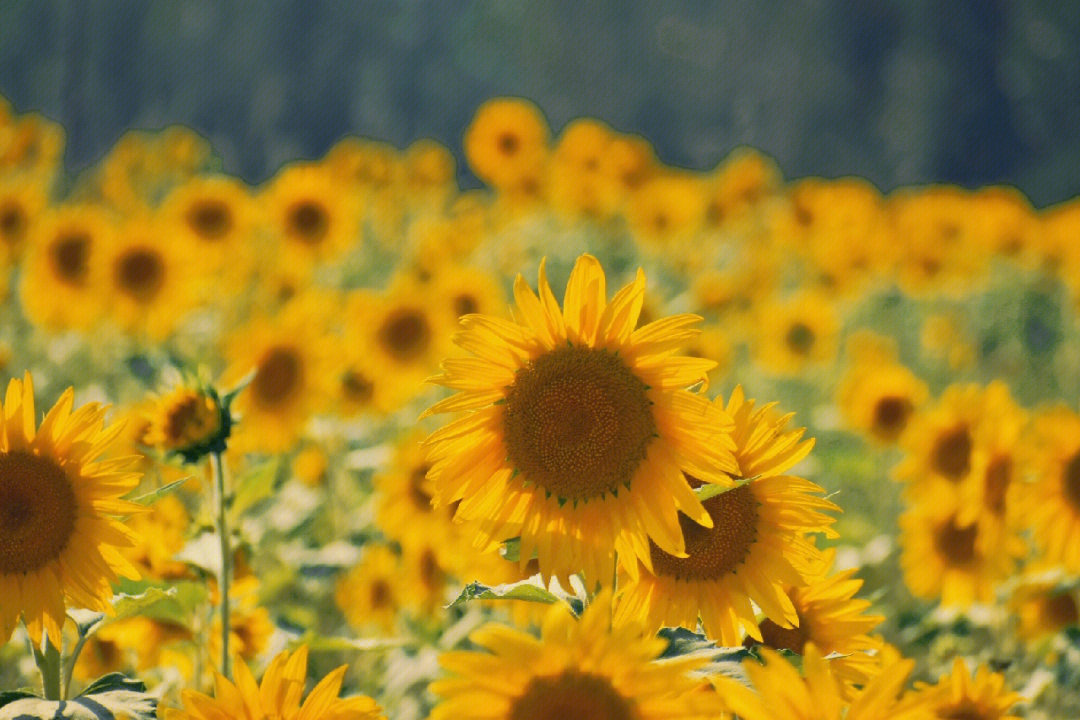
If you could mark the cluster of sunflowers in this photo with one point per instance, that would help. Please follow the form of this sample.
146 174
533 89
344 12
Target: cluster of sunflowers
335 439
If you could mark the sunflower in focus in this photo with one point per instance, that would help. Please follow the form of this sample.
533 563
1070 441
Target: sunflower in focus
577 428
587 667
781 693
506 145
58 545
877 394
277 697
1050 506
834 621
59 287
959 695
753 549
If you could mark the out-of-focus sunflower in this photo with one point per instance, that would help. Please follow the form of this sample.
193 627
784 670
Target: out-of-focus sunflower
754 548
796 333
160 534
277 697
405 512
742 181
135 643
587 667
429 174
577 428
578 186
960 564
151 283
311 216
61 287
1007 226
781 693
714 344
216 217
465 290
21 205
958 694
877 394
834 621
665 213
289 356
1045 604
945 337
371 593
506 145
33 146
58 545
250 625
1050 506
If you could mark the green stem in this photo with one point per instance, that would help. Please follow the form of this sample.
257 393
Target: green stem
48 663
69 671
218 468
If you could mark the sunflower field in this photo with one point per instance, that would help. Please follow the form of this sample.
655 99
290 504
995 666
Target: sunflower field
604 438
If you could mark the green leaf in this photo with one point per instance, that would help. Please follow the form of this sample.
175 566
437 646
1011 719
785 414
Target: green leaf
112 696
524 590
113 681
710 490
126 606
254 486
9 696
204 552
86 621
154 495
511 549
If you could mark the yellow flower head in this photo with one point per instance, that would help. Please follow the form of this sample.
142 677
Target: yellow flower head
577 427
58 544
753 549
584 667
189 422
506 144
1050 506
959 695
277 697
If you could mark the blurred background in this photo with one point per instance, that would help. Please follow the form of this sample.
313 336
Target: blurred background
972 93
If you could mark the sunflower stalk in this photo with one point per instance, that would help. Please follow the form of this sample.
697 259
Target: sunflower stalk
221 501
49 664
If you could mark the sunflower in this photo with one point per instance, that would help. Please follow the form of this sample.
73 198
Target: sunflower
578 186
1050 506
277 697
463 290
587 667
360 384
429 174
161 533
311 215
135 643
250 625
834 621
959 695
959 563
506 145
371 593
754 548
783 694
797 333
21 203
289 356
1045 604
629 162
577 427
405 512
151 283
32 145
61 286
666 212
877 394
742 181
189 422
57 544
216 217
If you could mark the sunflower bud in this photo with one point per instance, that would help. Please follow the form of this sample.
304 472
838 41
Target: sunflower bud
189 422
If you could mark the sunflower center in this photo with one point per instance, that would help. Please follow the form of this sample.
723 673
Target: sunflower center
781 638
70 255
966 710
955 544
508 143
140 273
382 596
308 222
465 304
996 483
191 420
357 387
420 497
1060 610
572 695
431 575
951 455
800 338
717 551
578 423
210 219
278 376
38 508
405 334
1070 480
891 415
12 222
